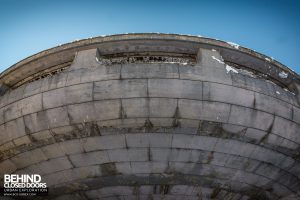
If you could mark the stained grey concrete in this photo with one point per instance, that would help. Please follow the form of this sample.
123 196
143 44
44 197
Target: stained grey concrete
150 128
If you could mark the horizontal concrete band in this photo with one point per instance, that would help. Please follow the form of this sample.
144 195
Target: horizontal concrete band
167 191
154 72
61 133
140 165
157 179
154 178
150 108
193 146
137 88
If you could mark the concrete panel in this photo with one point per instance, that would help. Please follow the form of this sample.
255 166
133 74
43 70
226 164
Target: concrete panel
33 88
211 111
296 114
93 111
53 151
14 129
68 95
42 136
31 104
174 88
135 108
286 129
91 158
270 156
160 140
255 134
100 73
250 117
120 123
24 140
114 89
85 59
36 122
12 111
4 99
118 155
53 165
193 142
137 140
7 167
71 147
16 94
54 82
227 94
28 158
74 77
57 117
150 70
205 73
104 142
273 105
6 146
161 107
138 154
148 167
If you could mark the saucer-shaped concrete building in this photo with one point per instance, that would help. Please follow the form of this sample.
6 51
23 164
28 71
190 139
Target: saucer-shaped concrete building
150 117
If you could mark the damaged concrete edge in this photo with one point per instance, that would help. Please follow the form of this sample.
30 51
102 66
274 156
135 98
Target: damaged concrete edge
66 53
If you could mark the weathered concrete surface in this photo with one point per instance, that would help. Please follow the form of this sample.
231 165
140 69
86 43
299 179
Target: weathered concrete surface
154 130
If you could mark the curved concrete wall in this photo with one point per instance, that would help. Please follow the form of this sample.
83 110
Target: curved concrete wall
154 131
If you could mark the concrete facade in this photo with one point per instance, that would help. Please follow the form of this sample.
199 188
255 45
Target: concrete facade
153 116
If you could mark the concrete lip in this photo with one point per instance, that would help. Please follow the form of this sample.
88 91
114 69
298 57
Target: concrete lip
152 116
229 51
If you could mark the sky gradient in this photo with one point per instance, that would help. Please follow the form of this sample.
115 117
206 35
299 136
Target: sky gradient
267 26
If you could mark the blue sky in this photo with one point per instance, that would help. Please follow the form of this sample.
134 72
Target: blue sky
271 27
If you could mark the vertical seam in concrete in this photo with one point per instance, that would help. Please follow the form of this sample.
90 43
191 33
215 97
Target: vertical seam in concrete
202 85
66 79
148 99
120 76
93 91
73 166
126 143
178 71
292 114
42 103
230 108
230 76
254 100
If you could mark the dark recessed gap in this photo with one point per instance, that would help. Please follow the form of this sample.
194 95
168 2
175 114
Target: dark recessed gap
43 74
147 57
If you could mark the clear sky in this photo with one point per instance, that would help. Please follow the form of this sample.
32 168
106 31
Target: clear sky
271 27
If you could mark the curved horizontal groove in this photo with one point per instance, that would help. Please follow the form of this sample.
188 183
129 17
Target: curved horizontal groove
192 44
132 180
205 162
38 144
176 178
85 138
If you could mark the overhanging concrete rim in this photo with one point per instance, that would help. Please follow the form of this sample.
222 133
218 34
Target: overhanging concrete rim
139 36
